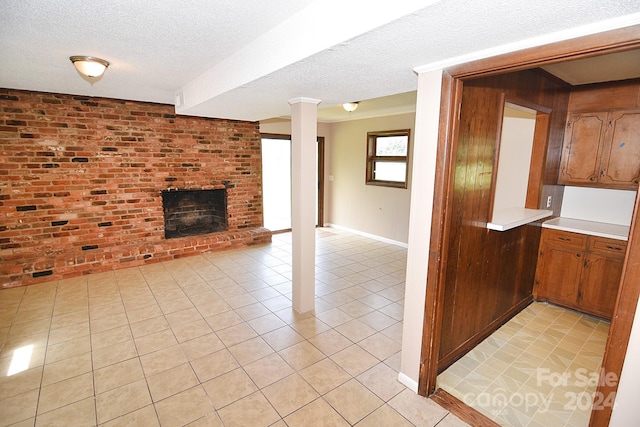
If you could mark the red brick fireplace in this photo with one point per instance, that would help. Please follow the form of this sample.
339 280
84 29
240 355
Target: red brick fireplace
81 183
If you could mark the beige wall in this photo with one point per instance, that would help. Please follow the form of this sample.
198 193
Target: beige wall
378 211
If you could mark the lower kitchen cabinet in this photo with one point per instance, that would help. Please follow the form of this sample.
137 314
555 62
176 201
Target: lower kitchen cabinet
579 271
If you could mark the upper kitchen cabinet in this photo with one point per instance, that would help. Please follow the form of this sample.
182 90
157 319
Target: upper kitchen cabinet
620 160
601 145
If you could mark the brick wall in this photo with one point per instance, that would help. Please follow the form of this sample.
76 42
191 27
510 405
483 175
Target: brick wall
81 181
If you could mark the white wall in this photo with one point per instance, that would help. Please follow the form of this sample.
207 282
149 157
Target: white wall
598 204
514 159
351 204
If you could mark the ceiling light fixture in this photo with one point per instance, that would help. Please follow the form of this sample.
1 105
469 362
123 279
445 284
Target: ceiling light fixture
89 66
350 106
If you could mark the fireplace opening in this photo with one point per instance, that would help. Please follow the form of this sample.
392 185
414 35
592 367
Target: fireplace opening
194 212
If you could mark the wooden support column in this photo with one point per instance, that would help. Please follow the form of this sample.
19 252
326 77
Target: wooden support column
304 133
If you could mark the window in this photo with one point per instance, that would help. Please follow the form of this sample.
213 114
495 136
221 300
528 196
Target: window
388 158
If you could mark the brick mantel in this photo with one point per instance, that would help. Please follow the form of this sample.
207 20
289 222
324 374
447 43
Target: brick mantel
81 181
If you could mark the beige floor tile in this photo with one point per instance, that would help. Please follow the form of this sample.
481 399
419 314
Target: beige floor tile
20 382
223 320
317 413
113 354
183 317
266 323
201 346
65 369
417 409
229 387
282 338
184 408
148 326
334 317
355 330
380 346
144 417
191 330
309 327
72 318
289 394
268 370
70 332
68 349
235 334
162 360
452 421
19 407
65 392
325 376
117 375
82 413
108 322
384 416
250 350
146 312
301 355
253 410
252 311
382 380
155 341
330 342
214 365
172 381
110 337
122 400
354 360
353 401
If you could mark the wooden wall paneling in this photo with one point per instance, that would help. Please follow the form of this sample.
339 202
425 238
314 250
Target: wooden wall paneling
489 275
605 96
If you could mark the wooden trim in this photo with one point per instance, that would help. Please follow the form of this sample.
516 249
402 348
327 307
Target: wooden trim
462 411
451 98
620 329
320 182
496 157
538 160
619 40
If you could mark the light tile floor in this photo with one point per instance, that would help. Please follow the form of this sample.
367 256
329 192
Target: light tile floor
211 340
539 369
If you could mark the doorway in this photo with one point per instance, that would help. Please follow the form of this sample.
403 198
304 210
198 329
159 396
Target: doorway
454 80
276 182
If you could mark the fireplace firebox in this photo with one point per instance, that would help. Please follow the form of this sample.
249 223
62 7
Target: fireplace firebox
194 212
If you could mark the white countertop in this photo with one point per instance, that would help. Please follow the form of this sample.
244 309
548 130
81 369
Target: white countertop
506 219
601 229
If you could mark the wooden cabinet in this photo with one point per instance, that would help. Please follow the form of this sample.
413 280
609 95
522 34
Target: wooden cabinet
602 149
579 271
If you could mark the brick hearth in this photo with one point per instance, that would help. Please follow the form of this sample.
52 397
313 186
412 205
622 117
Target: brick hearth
81 181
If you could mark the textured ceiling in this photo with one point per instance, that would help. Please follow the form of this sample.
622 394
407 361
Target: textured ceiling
245 59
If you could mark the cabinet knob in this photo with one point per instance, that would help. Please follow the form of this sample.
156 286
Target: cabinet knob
578 255
592 178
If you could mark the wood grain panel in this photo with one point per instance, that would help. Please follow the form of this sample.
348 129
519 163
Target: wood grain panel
489 274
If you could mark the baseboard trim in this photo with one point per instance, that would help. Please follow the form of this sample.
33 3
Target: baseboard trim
363 234
408 382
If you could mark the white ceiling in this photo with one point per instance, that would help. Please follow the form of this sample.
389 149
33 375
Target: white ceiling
244 59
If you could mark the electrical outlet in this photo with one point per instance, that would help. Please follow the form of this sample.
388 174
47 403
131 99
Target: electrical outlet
549 201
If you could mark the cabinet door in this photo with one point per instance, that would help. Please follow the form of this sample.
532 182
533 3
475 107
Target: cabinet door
621 152
558 274
599 284
582 148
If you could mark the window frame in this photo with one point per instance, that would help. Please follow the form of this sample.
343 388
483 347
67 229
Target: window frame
372 138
